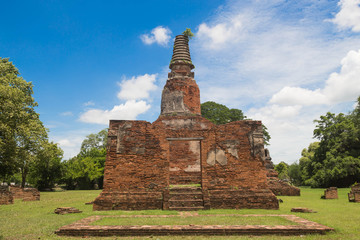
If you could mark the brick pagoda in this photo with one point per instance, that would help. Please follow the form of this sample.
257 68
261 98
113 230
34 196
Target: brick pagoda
147 164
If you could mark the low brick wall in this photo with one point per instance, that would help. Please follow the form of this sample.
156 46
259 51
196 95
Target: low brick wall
26 194
282 188
6 196
354 195
331 193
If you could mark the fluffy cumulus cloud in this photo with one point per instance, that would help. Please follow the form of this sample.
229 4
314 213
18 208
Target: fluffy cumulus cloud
70 144
349 15
290 128
133 91
218 35
137 87
160 35
127 111
343 86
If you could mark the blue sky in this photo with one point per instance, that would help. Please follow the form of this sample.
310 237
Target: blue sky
282 62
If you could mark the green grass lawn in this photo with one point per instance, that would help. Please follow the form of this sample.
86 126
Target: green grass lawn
36 220
202 220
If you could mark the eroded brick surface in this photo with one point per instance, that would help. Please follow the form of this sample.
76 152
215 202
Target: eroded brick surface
354 195
6 197
331 193
26 194
277 186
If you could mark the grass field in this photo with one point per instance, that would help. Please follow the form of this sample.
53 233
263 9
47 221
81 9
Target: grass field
202 220
36 220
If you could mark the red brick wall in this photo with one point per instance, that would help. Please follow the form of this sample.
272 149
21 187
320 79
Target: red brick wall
6 196
331 193
140 155
26 194
184 161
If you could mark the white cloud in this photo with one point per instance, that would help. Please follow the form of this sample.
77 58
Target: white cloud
290 128
137 87
127 111
345 86
70 141
65 143
218 35
70 144
349 15
340 87
66 114
275 112
89 103
159 35
298 96
131 90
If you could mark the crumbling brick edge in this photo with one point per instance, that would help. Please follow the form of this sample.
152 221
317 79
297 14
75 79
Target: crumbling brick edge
84 229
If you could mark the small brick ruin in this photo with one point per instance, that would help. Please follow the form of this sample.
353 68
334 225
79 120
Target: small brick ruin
354 195
26 194
6 197
222 165
66 210
277 186
303 210
330 193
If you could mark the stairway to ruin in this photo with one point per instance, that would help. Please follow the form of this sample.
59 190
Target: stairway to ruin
184 198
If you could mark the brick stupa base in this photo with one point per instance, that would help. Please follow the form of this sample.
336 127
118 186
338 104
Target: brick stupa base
84 228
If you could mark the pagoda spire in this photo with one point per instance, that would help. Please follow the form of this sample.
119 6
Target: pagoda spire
181 94
181 52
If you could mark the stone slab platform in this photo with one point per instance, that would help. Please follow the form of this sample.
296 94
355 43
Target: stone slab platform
83 228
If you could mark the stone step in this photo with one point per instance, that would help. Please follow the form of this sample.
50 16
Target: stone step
185 180
186 203
185 196
189 189
186 208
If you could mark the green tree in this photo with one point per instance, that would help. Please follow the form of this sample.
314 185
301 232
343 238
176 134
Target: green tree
188 33
282 169
307 164
294 173
97 141
221 114
335 160
47 169
21 131
87 168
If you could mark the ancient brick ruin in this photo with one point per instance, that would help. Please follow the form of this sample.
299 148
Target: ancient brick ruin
6 197
354 195
222 165
330 193
26 194
277 186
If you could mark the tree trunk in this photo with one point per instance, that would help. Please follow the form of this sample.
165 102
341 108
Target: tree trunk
23 177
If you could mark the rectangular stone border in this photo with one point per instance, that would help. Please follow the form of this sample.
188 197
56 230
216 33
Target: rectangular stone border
84 229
